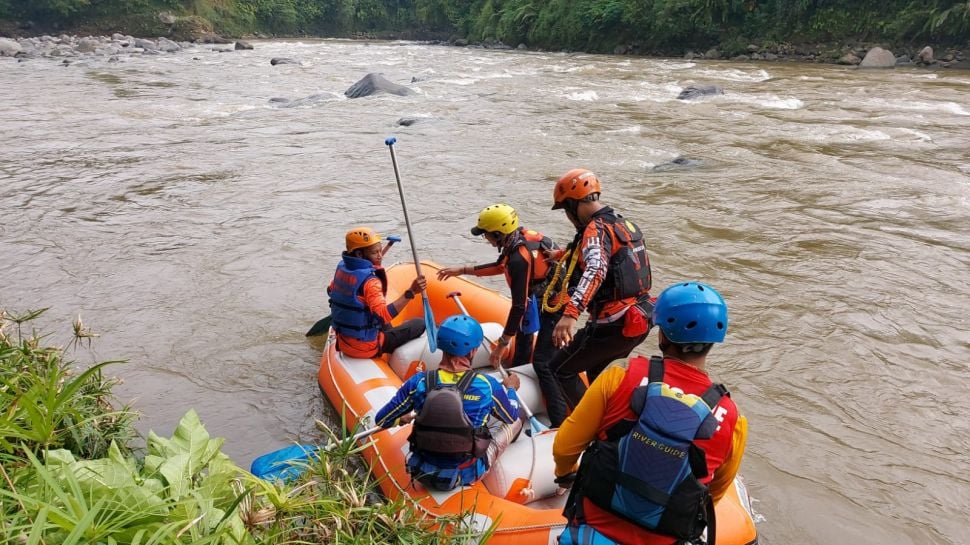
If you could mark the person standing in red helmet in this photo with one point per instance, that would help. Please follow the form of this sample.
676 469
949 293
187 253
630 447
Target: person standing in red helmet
607 273
361 315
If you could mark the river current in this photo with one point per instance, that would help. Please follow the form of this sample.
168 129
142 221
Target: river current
194 225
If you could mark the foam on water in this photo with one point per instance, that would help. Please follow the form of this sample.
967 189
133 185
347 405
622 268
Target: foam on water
921 136
733 74
583 96
635 129
842 134
672 65
772 102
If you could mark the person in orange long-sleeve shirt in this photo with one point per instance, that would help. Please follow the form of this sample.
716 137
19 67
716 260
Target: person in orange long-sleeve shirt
662 442
361 315
522 259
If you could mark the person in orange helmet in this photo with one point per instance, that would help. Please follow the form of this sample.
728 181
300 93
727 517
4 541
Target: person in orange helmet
361 315
607 273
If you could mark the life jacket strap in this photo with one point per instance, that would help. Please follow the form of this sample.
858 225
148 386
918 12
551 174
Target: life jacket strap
643 489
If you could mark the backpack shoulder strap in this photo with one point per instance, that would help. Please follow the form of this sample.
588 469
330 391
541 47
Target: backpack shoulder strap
714 394
711 520
466 381
656 373
431 379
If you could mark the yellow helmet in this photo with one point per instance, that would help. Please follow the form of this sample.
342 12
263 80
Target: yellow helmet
361 237
498 217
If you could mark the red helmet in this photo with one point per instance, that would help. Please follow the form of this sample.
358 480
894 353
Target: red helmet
576 184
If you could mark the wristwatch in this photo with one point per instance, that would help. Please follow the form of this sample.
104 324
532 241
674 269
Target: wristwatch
408 294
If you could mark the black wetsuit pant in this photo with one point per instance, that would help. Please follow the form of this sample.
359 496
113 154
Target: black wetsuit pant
540 356
593 348
396 336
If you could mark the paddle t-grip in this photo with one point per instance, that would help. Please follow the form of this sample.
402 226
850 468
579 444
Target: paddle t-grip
455 295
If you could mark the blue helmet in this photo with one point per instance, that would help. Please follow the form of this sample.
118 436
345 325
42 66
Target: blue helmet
459 335
691 312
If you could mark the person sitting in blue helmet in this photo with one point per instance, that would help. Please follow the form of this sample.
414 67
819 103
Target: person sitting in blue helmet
464 420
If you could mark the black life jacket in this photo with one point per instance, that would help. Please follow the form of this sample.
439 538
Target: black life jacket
629 270
648 472
442 429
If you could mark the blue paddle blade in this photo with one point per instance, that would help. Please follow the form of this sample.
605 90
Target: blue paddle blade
390 140
429 326
284 464
537 427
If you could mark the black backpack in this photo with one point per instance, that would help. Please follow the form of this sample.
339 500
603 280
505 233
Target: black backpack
442 429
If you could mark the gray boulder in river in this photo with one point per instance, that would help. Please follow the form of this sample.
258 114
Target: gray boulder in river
678 163
374 83
696 91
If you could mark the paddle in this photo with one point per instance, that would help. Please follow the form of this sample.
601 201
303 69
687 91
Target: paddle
429 324
537 427
289 462
323 324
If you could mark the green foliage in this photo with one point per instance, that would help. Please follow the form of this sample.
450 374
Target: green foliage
59 486
593 25
48 8
933 19
335 501
45 405
184 493
432 14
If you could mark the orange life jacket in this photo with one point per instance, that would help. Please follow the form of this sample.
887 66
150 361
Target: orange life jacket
533 242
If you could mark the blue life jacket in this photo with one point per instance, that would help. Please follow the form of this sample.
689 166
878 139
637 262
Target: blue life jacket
530 320
649 472
349 313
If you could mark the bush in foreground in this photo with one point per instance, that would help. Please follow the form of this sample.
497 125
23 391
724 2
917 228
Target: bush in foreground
68 474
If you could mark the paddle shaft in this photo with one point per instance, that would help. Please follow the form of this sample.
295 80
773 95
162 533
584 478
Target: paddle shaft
404 206
357 437
429 324
525 408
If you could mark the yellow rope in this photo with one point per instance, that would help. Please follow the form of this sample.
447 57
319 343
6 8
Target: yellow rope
561 290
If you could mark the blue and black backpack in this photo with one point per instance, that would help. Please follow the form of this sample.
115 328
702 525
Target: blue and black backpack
648 472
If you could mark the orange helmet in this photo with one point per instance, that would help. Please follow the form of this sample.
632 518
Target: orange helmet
576 184
361 237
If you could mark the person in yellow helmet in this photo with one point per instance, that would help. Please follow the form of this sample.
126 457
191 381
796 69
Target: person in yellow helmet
522 261
361 315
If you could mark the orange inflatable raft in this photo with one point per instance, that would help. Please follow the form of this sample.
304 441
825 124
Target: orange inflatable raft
517 497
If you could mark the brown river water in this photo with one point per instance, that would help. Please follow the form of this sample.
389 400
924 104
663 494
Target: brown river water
194 226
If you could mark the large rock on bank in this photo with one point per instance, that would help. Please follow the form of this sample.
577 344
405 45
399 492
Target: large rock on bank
9 48
878 57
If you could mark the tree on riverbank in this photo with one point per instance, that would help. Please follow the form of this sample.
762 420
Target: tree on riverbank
590 25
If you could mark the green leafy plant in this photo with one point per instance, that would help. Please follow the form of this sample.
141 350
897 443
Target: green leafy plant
45 405
183 493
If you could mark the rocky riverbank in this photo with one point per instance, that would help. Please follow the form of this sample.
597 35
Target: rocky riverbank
69 47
